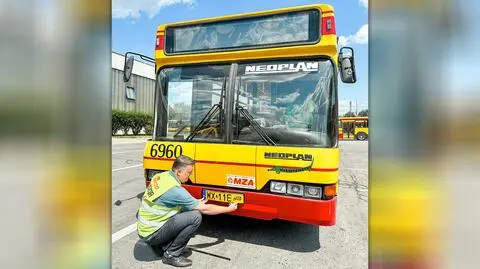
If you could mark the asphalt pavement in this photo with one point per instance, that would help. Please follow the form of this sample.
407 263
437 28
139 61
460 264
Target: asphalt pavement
225 241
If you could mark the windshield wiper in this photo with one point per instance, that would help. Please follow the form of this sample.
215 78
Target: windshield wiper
180 130
208 117
255 125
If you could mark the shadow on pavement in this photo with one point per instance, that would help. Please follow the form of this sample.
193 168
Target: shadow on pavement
206 245
279 234
296 237
142 252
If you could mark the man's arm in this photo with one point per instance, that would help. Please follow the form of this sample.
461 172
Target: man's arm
180 196
215 209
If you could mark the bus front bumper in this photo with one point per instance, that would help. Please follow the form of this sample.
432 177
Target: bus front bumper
269 206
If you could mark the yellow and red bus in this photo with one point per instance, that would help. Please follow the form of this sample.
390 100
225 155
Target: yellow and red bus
253 99
353 128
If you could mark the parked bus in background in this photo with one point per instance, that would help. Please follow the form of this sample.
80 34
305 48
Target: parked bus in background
353 128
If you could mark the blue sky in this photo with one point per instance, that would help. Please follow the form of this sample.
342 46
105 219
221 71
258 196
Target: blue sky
134 25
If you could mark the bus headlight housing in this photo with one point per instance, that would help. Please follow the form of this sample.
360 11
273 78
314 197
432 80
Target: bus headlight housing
149 173
315 192
295 189
278 187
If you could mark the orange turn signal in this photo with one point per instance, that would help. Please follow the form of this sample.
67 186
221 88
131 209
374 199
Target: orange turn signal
330 190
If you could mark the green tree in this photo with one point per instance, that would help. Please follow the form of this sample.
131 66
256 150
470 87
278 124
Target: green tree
349 114
363 113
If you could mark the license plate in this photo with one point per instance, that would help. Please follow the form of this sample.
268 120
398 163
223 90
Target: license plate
226 197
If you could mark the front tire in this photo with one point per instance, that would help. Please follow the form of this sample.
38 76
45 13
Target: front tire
362 136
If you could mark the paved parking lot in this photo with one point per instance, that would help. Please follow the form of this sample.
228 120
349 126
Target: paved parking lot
227 241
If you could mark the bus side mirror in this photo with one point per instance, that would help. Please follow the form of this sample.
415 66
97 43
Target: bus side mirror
127 69
347 65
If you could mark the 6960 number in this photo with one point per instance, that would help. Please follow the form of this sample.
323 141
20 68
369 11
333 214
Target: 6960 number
168 151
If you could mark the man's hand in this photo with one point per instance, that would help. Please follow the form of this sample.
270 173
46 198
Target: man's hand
232 207
212 209
203 200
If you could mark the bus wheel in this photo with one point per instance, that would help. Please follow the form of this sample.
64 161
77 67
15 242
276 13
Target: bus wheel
362 136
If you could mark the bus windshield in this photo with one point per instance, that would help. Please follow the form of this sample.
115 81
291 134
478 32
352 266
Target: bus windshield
275 103
290 100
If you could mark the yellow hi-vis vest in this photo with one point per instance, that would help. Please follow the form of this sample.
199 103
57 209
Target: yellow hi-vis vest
150 215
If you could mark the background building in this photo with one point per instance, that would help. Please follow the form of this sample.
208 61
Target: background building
139 93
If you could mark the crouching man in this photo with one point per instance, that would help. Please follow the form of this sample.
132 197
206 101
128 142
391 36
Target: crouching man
169 215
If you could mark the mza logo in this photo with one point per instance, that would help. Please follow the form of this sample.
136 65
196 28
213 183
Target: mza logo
241 182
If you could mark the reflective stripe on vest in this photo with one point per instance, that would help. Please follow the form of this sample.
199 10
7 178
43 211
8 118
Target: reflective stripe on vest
150 223
153 210
157 223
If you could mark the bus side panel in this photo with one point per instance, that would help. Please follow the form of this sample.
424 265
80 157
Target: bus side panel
361 130
160 155
225 165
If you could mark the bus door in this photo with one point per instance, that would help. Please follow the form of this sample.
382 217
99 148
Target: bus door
348 129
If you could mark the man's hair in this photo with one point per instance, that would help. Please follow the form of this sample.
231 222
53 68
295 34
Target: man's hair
182 162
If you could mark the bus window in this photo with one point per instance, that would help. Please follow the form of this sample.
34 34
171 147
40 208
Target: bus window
193 99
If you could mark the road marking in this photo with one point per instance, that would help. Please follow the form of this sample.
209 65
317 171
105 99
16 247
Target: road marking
128 167
127 142
124 232
121 152
358 169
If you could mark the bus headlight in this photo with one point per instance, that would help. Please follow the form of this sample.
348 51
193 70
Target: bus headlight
150 173
278 187
295 189
315 192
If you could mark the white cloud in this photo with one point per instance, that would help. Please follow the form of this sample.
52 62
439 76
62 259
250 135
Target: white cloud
344 106
361 37
122 9
342 41
364 3
181 92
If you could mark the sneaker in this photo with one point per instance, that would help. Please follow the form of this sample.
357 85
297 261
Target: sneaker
179 261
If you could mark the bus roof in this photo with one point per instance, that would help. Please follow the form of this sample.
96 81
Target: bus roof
352 118
326 46
325 8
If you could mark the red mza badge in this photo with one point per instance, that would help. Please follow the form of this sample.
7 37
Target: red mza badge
244 182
